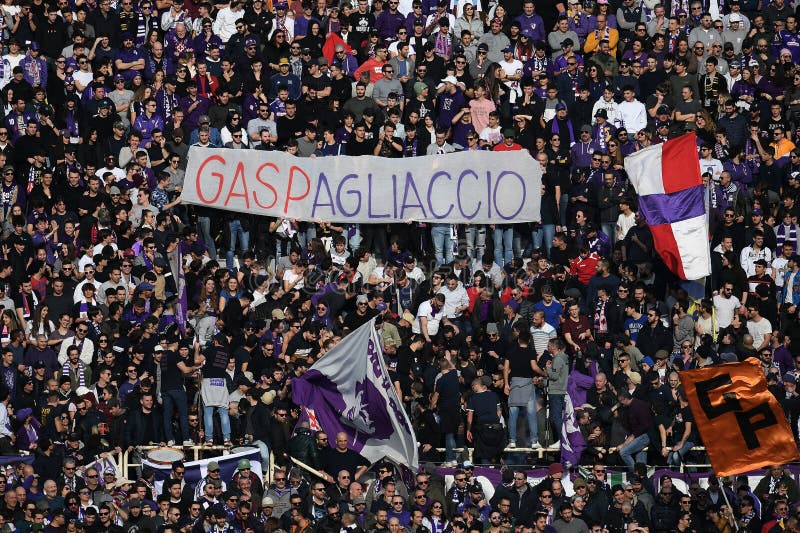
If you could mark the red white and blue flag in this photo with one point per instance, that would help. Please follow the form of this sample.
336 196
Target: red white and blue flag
672 200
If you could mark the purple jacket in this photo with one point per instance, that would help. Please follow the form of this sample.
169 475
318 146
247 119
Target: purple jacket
388 23
147 125
580 25
534 23
24 440
193 117
34 70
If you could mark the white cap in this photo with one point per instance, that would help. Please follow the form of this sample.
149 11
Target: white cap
734 17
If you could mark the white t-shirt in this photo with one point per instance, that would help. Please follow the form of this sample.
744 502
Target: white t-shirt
426 310
625 223
290 276
492 135
781 266
724 308
759 330
83 77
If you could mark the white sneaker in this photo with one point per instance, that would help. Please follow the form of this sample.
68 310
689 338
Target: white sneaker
535 445
512 444
170 443
188 443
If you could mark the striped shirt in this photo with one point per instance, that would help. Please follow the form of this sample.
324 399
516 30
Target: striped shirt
541 336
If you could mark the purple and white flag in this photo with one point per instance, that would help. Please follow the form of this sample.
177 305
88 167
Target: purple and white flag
349 390
572 441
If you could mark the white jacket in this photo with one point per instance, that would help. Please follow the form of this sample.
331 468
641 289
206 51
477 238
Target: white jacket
631 115
454 299
225 23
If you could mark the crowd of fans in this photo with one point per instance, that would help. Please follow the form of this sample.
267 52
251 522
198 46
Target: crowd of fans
481 325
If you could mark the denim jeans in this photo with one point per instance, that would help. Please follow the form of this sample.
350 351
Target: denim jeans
530 411
542 237
175 399
237 236
264 452
449 445
503 244
556 412
676 458
475 235
442 244
562 208
610 229
204 228
634 449
224 419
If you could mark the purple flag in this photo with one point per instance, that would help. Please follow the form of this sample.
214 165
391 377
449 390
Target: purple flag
572 441
182 306
349 390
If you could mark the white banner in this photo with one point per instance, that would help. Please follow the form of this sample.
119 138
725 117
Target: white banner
463 187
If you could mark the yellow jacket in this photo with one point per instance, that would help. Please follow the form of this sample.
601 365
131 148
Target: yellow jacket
593 41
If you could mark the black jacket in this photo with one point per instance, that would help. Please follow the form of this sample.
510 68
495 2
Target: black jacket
303 448
651 340
136 427
261 421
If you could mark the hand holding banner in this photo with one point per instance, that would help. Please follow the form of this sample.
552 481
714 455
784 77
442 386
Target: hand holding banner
464 187
349 390
742 424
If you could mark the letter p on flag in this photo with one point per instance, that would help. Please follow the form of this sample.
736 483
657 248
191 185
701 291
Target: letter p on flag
742 424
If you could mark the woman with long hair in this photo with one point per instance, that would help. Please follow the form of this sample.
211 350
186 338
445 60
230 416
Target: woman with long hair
602 7
8 327
596 79
435 519
29 431
88 151
276 48
314 39
492 84
233 124
137 104
151 39
207 311
523 50
617 160
706 128
40 324
744 89
231 290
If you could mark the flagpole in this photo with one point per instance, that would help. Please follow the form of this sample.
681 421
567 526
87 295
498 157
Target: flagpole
730 509
304 466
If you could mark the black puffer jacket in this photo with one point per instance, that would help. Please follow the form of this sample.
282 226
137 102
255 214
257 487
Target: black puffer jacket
303 448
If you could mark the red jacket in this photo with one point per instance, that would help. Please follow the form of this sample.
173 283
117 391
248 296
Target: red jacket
585 267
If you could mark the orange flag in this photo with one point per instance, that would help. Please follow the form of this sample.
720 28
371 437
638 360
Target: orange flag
742 424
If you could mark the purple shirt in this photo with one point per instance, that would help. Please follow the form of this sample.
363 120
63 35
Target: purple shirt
193 117
129 56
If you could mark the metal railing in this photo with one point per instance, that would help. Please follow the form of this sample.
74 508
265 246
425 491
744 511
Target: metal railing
554 449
